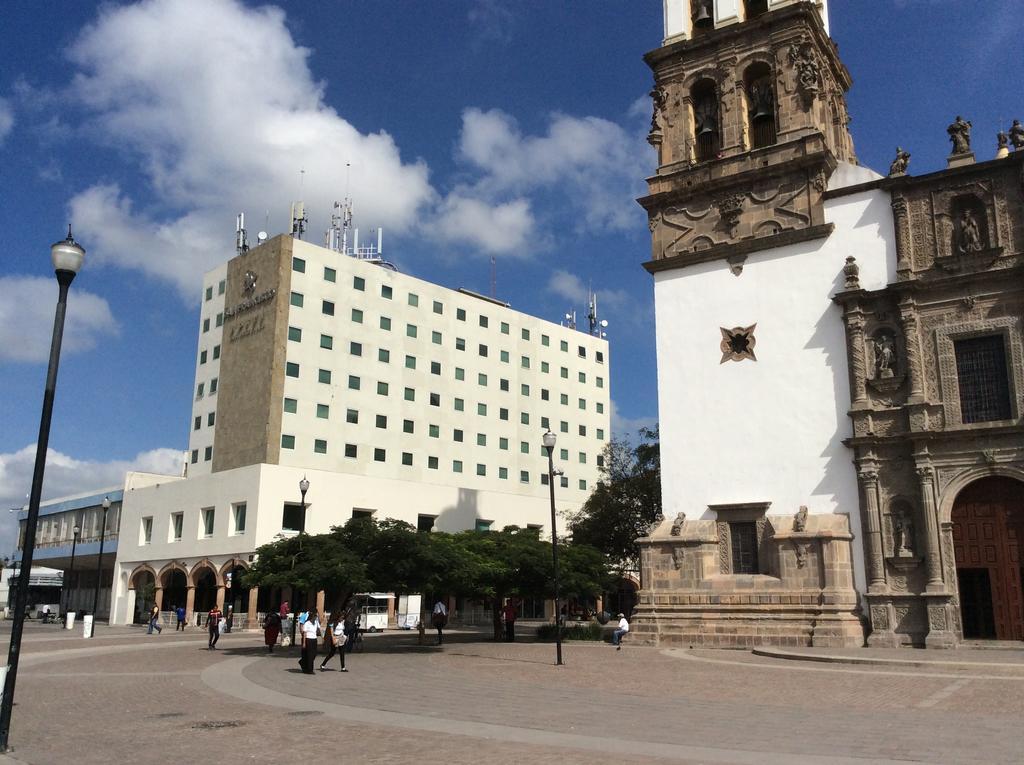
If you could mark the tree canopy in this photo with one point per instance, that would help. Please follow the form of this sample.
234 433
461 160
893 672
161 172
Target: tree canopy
625 502
369 555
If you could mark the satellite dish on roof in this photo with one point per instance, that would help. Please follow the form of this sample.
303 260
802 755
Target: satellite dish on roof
261 237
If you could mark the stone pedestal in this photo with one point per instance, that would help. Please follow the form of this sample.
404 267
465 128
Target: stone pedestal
803 597
958 160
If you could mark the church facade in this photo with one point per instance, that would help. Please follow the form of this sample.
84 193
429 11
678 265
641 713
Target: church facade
840 356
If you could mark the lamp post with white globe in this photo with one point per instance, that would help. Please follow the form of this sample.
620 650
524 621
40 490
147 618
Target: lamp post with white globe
67 256
549 444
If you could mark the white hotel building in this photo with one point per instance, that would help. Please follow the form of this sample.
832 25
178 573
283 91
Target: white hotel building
393 396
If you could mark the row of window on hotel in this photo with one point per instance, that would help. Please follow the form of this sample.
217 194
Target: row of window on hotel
327 307
384 355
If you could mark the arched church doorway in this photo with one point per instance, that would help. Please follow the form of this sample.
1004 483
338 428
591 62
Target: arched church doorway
206 589
988 536
175 589
237 593
144 584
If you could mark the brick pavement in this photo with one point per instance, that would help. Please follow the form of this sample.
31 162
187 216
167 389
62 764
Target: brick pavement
154 699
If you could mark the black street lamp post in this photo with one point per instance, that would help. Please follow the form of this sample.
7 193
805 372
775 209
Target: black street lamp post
71 574
99 564
303 488
549 444
67 257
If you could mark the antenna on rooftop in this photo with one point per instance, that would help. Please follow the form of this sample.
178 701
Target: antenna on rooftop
570 319
241 243
299 219
597 326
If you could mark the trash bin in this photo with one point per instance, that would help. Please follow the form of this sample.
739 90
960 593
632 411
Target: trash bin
87 626
69 617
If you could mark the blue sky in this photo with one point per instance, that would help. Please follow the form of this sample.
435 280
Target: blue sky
471 128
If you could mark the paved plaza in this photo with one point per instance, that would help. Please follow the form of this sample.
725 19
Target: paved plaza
129 697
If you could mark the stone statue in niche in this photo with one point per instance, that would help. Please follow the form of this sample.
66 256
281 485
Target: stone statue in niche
658 519
1017 135
969 235
800 519
677 524
960 135
678 553
903 535
808 74
885 355
660 98
900 164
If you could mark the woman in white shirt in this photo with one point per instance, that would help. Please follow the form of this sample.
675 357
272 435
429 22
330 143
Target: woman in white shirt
334 637
310 630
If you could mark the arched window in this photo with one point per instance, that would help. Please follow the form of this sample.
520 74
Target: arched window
760 105
705 120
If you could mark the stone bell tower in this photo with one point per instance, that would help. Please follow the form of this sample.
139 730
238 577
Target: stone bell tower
749 122
750 230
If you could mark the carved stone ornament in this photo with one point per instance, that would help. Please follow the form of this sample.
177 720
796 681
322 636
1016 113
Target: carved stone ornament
885 355
729 209
657 522
736 263
968 237
851 274
1017 135
801 550
660 98
738 344
800 519
677 524
249 283
960 135
808 73
900 164
678 554
880 617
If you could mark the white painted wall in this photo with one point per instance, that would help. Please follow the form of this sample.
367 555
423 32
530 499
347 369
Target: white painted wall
769 430
330 501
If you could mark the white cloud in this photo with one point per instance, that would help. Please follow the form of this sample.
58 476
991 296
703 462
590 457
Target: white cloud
628 427
591 162
217 104
6 118
27 305
66 476
572 288
498 228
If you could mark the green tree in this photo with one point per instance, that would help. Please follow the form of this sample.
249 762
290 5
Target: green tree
625 501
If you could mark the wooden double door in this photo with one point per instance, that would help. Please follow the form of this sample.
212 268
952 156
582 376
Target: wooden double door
988 535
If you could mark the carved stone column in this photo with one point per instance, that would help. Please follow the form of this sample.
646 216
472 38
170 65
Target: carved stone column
159 598
190 602
867 476
220 596
252 617
908 317
858 364
933 557
901 224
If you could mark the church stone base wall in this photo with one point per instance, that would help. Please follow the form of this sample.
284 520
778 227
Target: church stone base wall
804 597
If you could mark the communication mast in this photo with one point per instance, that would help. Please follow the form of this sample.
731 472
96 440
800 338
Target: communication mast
241 242
299 219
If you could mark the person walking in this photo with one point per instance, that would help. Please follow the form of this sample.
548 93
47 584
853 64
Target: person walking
310 630
334 638
510 614
439 619
213 625
271 629
180 613
621 631
154 620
